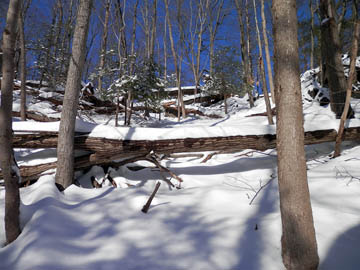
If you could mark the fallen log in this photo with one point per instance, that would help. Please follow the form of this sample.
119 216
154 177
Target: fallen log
273 112
110 148
173 111
106 151
37 116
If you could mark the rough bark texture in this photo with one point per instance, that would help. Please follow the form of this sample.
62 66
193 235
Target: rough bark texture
331 55
350 80
65 155
111 147
104 151
12 197
299 248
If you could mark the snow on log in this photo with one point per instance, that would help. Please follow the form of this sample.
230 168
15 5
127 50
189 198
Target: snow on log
106 151
118 148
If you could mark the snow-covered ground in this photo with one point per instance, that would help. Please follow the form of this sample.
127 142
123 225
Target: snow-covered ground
225 216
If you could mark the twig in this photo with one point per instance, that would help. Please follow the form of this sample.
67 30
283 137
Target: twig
209 156
261 187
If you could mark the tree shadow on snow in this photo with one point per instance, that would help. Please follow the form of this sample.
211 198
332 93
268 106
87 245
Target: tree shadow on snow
252 244
344 253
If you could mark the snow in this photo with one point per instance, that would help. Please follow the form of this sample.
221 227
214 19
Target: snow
225 216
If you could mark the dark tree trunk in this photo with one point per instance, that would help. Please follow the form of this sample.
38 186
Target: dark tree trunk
11 177
299 248
65 147
353 56
331 56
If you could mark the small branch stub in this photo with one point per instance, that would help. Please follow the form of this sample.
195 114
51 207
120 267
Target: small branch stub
146 207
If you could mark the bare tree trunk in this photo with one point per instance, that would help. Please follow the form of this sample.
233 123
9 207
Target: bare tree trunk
331 53
267 52
132 60
350 80
213 25
103 46
299 248
244 54
22 64
176 64
66 40
65 149
10 175
262 71
165 50
312 34
48 49
153 30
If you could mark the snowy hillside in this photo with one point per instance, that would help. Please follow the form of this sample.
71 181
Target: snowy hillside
225 216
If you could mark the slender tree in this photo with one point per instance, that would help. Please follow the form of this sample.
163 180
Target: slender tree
65 149
350 80
177 63
7 161
267 52
244 54
312 34
103 45
262 71
299 248
217 14
332 58
22 63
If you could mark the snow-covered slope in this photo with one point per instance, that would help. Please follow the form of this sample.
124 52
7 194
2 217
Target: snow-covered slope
225 216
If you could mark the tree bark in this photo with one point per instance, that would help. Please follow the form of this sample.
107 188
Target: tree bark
244 54
7 162
103 46
106 150
312 34
299 248
267 52
262 71
22 64
350 80
332 57
65 170
176 64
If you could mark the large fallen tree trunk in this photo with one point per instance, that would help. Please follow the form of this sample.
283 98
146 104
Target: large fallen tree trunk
106 151
111 147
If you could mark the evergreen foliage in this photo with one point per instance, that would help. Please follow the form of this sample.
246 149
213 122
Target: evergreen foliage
228 78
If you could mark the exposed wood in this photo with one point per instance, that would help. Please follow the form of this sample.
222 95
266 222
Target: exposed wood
146 207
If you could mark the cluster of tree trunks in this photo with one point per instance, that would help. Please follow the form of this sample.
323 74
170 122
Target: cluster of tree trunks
104 151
